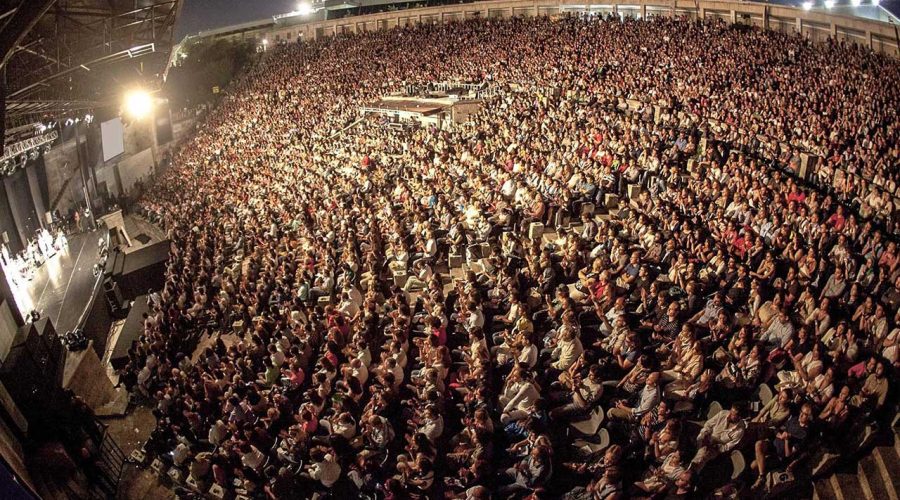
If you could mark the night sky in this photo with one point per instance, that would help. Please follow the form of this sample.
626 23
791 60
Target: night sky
197 15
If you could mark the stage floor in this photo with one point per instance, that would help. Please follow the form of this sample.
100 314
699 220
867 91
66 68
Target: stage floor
62 286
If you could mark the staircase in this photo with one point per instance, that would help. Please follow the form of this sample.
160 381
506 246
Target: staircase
96 481
109 465
875 476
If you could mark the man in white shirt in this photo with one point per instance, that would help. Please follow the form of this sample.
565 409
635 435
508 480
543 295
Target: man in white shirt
432 424
650 397
581 397
720 434
779 332
323 468
475 318
567 350
348 307
522 401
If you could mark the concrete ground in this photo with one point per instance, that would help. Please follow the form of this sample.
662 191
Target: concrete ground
130 432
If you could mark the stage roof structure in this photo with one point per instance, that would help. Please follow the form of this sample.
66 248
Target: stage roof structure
64 57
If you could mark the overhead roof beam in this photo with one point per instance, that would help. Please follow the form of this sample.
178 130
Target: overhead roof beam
131 53
20 24
170 4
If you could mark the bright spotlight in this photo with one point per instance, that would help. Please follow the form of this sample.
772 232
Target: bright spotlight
829 4
265 41
304 9
876 2
807 5
138 103
856 3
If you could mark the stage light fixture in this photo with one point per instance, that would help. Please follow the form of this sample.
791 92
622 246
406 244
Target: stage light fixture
138 103
304 9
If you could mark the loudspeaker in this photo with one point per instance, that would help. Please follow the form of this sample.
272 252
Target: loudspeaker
113 295
32 372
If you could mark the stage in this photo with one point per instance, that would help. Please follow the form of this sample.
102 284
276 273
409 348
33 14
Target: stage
63 285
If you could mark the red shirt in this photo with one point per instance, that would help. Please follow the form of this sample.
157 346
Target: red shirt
797 196
441 334
599 290
837 220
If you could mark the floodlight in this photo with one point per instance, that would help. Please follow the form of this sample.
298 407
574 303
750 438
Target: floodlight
856 3
138 103
876 2
807 5
829 4
304 9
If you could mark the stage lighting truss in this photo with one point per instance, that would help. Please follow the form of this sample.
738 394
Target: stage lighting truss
18 154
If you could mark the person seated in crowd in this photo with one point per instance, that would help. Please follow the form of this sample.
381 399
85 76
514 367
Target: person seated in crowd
683 264
791 441
720 434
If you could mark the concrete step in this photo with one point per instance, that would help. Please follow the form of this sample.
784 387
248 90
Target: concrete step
822 490
888 465
847 486
871 479
115 408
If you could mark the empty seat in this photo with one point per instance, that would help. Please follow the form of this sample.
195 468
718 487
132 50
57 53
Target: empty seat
455 260
400 278
634 190
590 448
590 426
764 392
216 491
714 408
738 464
611 200
176 476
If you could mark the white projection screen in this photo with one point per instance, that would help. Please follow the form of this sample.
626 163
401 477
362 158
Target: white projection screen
113 138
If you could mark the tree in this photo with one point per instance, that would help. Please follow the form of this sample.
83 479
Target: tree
203 66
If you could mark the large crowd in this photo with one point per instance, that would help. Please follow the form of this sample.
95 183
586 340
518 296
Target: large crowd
696 304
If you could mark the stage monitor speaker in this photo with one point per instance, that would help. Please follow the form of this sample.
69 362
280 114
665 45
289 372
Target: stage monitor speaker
142 269
113 294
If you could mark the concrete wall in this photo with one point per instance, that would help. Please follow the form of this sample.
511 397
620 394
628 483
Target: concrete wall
63 179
